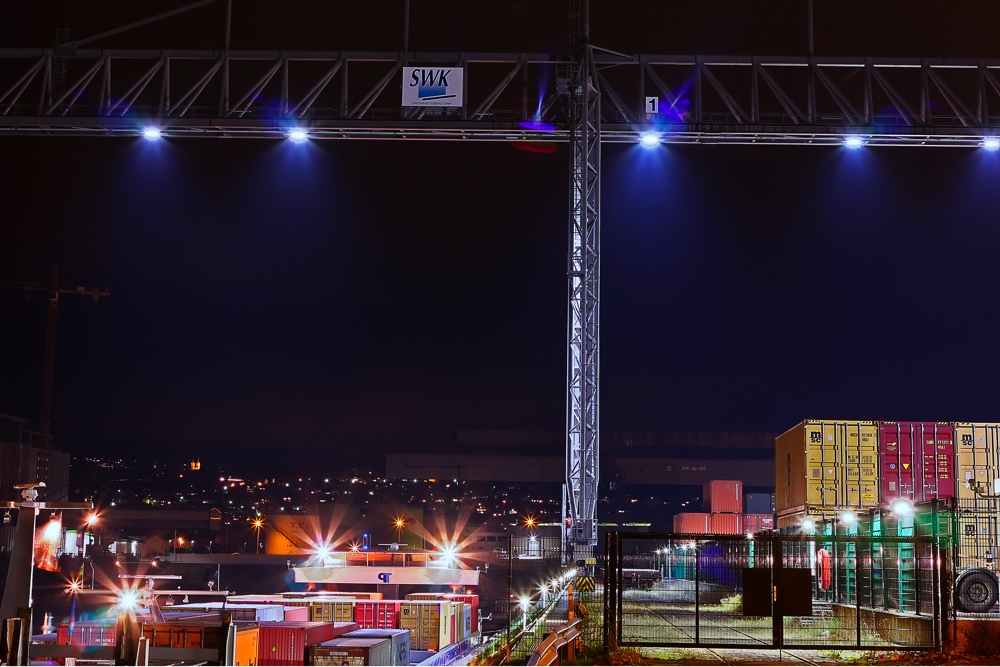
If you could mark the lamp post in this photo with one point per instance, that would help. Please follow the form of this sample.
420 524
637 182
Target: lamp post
399 523
258 523
91 520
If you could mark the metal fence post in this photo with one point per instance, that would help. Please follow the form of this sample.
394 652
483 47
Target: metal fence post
857 595
697 594
777 624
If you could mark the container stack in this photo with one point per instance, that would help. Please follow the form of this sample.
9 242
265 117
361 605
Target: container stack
723 500
759 516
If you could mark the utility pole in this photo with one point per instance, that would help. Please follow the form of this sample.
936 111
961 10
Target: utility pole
54 290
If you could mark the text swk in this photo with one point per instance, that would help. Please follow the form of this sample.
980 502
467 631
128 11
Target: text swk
429 78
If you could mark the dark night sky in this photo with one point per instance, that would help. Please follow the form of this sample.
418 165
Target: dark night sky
376 296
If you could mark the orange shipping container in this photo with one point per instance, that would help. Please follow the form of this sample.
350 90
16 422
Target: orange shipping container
247 636
692 522
726 524
723 495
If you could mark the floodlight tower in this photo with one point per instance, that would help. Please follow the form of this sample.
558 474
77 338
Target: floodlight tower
579 533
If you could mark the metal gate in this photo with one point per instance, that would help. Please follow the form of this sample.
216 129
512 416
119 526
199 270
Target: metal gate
774 591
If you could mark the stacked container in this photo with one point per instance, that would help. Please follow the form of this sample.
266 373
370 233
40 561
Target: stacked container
352 651
431 623
472 618
759 503
86 633
917 461
757 523
331 609
378 614
285 643
725 524
398 639
723 495
697 523
978 447
826 466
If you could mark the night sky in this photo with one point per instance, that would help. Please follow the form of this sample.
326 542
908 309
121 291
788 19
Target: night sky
375 296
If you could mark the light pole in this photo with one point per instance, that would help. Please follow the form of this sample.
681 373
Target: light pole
91 520
399 523
257 525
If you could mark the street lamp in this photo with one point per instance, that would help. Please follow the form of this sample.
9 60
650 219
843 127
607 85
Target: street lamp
399 523
525 601
90 521
257 525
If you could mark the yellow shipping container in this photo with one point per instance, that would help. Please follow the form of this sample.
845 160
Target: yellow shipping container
826 466
336 611
978 456
430 623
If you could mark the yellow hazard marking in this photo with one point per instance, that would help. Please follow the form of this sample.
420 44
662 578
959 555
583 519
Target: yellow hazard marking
585 584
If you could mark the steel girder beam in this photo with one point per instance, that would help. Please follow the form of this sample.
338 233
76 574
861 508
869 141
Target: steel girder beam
584 273
741 99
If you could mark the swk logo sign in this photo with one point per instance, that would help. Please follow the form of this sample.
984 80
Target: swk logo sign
384 577
432 86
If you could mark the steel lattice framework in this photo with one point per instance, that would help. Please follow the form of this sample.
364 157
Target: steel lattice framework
342 95
590 97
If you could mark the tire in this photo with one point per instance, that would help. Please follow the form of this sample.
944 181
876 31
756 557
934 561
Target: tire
977 592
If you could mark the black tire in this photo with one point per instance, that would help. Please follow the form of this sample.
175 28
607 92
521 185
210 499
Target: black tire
977 592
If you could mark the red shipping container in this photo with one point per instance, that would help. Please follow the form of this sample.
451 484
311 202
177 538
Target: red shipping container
918 461
692 522
87 633
723 495
285 643
757 523
381 614
726 524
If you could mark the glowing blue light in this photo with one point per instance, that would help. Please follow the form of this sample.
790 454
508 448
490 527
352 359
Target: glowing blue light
298 135
650 139
152 133
853 142
991 143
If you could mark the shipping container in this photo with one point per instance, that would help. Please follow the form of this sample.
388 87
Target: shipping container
285 643
470 599
692 522
917 461
723 495
352 651
827 466
354 595
239 612
978 448
185 634
431 623
458 609
296 613
247 637
757 523
324 609
86 633
759 503
726 524
381 614
399 639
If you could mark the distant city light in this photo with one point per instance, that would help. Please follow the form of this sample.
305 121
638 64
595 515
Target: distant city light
298 135
853 142
991 143
650 139
152 133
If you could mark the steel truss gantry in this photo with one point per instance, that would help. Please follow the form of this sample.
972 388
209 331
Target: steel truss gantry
356 95
591 97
